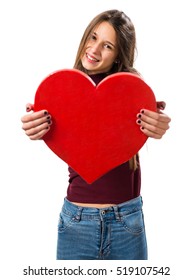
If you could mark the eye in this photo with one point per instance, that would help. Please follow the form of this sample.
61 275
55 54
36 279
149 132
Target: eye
107 46
93 37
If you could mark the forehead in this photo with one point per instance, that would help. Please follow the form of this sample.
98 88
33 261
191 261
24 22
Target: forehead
106 31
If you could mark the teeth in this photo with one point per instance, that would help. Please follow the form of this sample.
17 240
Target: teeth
91 58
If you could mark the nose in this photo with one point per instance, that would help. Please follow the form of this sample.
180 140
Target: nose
96 47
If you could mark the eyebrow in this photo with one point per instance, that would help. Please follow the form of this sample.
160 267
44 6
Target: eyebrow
106 41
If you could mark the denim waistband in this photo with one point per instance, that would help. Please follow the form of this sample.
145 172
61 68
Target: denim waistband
111 212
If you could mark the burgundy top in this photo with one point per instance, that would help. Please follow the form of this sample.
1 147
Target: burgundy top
116 186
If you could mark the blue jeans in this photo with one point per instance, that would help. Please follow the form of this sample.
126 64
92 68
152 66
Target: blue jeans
113 233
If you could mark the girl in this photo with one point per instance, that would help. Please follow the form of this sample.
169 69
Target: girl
104 220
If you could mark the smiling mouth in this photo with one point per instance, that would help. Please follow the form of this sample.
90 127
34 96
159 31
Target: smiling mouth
91 58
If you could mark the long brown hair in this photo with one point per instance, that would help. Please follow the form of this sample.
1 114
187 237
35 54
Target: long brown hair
126 44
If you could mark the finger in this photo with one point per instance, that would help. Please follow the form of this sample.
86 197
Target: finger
38 131
144 119
153 125
40 134
147 115
34 116
37 123
152 130
161 105
157 134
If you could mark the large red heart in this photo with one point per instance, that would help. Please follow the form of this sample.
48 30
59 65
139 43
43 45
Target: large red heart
94 127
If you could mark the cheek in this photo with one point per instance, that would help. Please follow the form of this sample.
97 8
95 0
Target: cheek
87 46
83 54
109 59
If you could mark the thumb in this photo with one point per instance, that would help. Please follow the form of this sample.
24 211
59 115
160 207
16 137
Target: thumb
29 107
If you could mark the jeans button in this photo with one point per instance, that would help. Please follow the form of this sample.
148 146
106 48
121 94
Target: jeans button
103 212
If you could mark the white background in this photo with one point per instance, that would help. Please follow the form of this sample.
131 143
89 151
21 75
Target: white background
39 37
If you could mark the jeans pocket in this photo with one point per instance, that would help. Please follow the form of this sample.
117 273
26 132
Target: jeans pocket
133 222
65 221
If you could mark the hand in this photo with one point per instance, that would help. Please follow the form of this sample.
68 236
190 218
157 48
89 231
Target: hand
154 124
36 124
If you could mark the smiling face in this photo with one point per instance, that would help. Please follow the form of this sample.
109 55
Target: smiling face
100 51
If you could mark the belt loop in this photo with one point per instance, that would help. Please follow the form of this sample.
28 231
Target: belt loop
116 211
78 214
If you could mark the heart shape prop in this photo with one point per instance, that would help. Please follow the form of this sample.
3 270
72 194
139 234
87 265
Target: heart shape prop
94 127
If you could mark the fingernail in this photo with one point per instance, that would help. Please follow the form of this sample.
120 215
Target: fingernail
139 115
142 111
138 121
45 112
